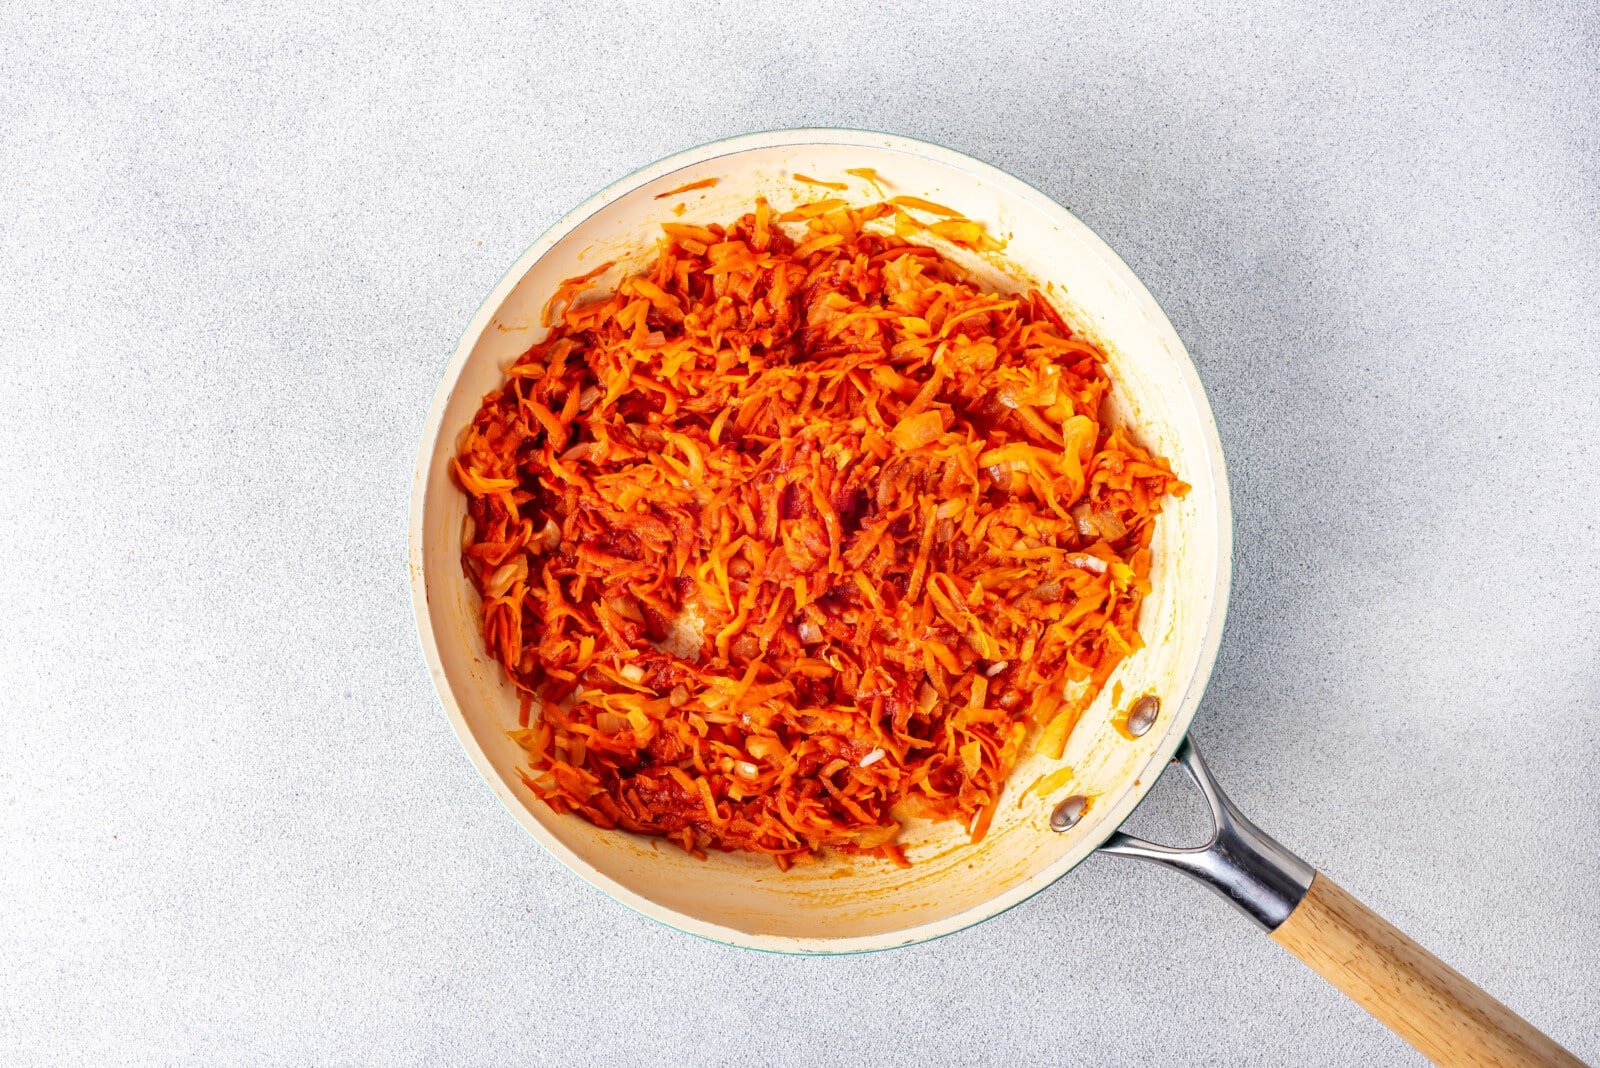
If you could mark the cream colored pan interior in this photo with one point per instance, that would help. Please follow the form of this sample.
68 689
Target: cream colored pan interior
847 904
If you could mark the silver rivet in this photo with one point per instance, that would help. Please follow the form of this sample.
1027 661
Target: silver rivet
1068 813
1142 716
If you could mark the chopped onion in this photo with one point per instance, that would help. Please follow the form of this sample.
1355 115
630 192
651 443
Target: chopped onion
997 667
809 632
915 431
1093 522
632 672
1081 513
508 575
587 398
747 769
871 759
764 748
626 607
1075 690
873 837
1087 562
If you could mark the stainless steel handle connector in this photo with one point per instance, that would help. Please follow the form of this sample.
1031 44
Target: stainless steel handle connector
1247 866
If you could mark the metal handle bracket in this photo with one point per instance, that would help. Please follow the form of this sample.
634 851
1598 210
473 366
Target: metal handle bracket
1245 865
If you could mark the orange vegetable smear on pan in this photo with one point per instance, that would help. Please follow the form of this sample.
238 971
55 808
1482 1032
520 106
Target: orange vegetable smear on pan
869 175
704 183
808 180
800 534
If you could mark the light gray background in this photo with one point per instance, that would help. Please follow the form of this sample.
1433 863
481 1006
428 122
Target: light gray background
237 245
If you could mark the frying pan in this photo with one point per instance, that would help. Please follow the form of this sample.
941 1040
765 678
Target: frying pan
847 904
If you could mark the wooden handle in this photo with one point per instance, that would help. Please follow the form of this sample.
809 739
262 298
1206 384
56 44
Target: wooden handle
1415 994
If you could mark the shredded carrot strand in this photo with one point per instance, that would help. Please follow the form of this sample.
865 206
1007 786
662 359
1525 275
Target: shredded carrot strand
924 205
704 183
807 179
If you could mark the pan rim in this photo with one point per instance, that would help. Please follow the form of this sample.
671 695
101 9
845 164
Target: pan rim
1126 802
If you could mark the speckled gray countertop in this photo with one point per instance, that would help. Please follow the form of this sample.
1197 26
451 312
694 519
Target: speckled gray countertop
237 245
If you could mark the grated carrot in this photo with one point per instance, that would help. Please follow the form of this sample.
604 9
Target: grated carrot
818 181
704 183
797 530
